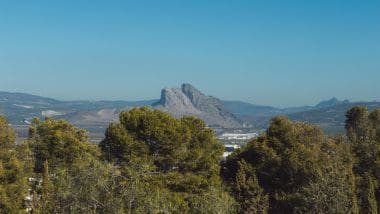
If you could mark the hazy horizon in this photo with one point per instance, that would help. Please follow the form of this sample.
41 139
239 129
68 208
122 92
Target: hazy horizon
157 98
275 53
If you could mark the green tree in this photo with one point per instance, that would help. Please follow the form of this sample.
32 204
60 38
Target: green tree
59 143
300 169
13 186
357 124
367 194
333 189
88 186
170 165
74 179
363 131
250 194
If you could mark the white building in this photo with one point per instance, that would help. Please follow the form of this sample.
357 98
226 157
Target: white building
237 136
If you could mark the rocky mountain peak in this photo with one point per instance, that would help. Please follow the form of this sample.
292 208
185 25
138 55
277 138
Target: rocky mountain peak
331 102
171 96
188 100
173 100
192 93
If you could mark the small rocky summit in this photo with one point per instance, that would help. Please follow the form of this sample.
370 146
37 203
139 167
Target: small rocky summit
331 102
188 100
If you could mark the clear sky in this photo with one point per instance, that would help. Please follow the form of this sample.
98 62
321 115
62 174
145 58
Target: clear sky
281 53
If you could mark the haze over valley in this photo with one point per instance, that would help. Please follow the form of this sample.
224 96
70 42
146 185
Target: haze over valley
223 116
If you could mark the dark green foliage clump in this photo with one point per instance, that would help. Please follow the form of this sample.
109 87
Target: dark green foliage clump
13 183
363 131
174 161
293 168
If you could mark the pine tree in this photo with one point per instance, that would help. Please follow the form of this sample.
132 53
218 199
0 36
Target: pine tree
363 131
13 186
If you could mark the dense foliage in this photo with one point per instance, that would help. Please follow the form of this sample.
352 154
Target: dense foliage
300 169
13 185
363 131
150 162
176 161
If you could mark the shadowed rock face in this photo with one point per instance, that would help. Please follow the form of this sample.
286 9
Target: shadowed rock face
188 100
177 103
193 94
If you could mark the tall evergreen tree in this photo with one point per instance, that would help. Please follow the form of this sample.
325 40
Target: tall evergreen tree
74 180
249 193
300 169
363 132
13 182
181 158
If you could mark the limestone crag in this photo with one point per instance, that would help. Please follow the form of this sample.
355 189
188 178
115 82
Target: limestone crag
187 100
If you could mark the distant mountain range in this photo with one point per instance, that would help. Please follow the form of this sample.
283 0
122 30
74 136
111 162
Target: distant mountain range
329 114
20 108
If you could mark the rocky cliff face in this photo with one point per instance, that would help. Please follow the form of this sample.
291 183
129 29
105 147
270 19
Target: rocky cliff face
188 100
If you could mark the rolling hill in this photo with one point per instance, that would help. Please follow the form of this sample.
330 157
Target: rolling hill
20 108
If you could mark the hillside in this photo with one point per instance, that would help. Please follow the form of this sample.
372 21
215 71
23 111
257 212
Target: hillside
21 108
328 114
331 118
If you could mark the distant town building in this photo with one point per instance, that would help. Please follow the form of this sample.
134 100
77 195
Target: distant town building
237 136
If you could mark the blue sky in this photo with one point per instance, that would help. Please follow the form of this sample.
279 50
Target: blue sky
281 53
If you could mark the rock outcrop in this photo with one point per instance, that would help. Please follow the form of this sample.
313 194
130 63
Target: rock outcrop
188 100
